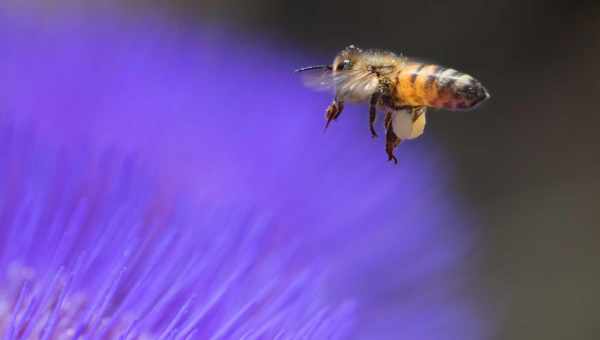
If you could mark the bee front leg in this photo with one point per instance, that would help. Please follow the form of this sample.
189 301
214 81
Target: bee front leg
333 111
373 113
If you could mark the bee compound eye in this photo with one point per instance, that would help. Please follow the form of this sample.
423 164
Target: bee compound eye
344 65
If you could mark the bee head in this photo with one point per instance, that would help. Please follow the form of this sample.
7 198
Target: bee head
346 58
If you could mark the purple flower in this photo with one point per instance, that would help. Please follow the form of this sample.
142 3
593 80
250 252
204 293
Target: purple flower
234 137
90 251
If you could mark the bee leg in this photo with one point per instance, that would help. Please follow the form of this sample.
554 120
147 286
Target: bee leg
391 143
387 120
333 111
391 140
417 112
373 113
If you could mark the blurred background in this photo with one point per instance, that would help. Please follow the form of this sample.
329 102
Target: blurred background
527 162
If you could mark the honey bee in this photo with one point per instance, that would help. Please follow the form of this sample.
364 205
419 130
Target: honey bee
401 87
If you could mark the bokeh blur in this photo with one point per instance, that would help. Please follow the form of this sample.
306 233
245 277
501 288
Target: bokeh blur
526 163
528 160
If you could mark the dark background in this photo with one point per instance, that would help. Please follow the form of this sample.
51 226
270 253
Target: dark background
528 160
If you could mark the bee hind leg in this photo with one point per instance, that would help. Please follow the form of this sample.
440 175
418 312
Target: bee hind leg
333 111
391 143
391 140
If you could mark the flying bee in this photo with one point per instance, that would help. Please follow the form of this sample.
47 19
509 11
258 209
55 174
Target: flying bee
401 87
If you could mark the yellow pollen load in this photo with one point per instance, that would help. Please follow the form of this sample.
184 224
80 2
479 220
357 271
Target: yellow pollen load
418 126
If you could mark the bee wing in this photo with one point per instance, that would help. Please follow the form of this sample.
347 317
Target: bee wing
320 79
409 123
350 83
421 60
357 84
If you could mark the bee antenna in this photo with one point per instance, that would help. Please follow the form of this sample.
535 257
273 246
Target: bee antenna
315 67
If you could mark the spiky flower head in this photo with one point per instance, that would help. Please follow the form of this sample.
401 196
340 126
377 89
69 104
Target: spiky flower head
89 251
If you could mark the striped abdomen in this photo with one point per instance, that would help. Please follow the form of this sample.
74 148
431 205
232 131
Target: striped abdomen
435 86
